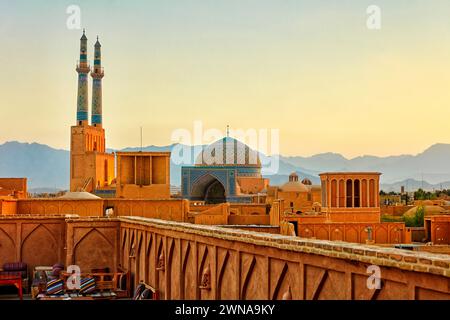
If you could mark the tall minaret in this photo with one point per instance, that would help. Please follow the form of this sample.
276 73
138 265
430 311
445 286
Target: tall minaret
97 75
83 71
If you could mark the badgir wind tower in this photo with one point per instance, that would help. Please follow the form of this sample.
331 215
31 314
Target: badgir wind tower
91 167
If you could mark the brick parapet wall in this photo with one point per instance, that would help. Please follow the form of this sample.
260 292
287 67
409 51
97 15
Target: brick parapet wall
437 264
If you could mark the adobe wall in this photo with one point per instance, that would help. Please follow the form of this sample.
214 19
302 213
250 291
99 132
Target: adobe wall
93 243
395 210
233 214
35 240
19 185
354 215
153 191
82 208
296 201
382 233
8 206
250 219
320 218
252 185
213 215
254 228
173 257
250 214
248 209
104 169
170 209
437 229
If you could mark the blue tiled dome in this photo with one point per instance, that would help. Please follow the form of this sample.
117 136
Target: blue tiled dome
228 152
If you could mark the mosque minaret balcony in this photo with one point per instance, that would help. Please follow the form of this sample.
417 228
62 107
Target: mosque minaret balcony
83 67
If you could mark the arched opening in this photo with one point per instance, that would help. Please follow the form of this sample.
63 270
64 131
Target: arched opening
333 194
364 202
208 189
105 178
109 211
341 193
357 199
215 193
371 193
349 193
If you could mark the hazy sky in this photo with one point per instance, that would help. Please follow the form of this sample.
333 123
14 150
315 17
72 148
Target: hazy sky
311 69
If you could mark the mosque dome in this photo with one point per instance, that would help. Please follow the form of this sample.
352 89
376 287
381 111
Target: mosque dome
307 182
228 152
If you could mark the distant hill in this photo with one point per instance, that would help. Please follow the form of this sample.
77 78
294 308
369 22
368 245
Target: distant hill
48 168
412 185
44 166
432 165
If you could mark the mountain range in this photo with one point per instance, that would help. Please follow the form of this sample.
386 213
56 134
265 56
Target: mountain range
48 169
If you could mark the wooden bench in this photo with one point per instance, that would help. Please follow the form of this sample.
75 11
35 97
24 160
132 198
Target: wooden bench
14 281
107 281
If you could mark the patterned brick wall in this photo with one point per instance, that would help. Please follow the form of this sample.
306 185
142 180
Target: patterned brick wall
248 265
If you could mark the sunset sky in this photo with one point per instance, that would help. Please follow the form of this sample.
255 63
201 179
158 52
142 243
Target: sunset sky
311 69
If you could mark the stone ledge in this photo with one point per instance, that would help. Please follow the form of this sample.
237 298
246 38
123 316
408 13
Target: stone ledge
390 257
33 216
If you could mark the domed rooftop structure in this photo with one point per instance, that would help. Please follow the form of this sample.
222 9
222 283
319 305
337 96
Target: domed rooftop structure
307 182
293 176
228 152
79 195
294 186
429 211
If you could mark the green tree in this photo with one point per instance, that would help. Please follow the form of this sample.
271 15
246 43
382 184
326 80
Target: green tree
417 220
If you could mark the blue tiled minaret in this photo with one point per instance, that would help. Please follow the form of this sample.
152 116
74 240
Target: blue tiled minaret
97 75
83 71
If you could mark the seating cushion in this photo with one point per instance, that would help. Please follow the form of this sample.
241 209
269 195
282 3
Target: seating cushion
55 287
15 266
22 274
58 265
37 282
87 285
56 271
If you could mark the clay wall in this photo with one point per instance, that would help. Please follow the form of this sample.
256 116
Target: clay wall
437 229
173 209
36 240
174 258
382 233
92 243
82 208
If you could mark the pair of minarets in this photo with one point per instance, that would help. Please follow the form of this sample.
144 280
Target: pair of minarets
97 74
